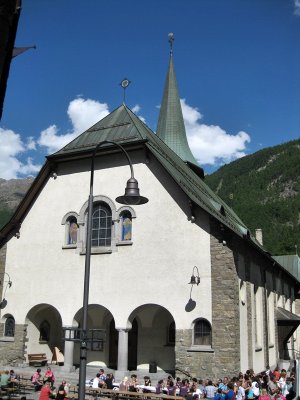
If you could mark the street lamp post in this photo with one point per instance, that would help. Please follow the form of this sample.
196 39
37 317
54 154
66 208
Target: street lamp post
131 197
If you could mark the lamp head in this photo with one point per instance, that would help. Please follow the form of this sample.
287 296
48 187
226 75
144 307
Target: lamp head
195 280
132 194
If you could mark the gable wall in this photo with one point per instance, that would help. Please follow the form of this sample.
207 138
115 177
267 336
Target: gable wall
155 269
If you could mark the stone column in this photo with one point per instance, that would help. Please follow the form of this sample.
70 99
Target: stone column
123 350
69 352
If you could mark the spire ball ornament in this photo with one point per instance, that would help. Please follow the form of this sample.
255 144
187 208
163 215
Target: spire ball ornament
125 82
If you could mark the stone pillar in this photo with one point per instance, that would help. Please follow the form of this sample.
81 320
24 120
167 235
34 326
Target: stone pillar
123 350
69 352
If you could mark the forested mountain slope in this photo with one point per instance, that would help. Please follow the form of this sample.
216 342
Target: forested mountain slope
11 193
264 190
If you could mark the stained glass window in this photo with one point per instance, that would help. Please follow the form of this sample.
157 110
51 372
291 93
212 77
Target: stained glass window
9 327
126 221
202 332
73 231
101 225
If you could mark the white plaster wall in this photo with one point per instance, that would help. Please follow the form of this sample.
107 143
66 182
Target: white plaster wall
155 269
257 326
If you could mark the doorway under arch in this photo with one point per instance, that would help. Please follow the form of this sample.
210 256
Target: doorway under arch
151 339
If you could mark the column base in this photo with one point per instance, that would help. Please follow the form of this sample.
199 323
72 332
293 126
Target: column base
68 368
119 375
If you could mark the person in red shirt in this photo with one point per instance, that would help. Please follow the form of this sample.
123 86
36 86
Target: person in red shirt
45 392
276 372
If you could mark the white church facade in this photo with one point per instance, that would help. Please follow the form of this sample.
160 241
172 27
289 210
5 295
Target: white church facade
142 310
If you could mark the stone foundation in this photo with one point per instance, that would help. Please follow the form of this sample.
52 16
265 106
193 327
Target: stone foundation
12 348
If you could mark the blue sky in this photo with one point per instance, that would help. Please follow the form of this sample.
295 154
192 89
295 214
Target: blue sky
237 64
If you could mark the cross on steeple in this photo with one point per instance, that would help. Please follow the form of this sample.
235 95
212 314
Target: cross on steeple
171 40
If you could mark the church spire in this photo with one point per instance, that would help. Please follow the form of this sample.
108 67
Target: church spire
170 127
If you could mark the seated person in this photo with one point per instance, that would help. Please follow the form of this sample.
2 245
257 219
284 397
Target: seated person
36 379
13 378
4 380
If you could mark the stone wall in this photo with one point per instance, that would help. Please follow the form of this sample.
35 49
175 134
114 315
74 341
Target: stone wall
225 304
12 349
224 359
197 364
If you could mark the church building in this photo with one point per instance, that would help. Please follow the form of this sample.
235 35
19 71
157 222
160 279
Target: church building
177 284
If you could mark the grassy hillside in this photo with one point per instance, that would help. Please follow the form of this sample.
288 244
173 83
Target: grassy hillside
264 190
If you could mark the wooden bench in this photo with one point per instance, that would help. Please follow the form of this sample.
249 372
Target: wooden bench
110 393
38 359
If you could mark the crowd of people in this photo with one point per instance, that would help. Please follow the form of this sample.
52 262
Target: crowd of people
275 385
269 385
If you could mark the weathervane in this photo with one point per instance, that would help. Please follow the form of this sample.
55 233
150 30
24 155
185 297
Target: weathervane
125 83
171 40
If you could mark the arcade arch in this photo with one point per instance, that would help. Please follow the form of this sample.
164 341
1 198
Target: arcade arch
44 330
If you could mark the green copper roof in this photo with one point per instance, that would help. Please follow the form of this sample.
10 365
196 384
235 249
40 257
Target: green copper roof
116 126
170 126
290 263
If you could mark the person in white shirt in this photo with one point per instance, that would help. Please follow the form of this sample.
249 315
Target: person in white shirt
241 391
282 383
210 390
96 382
255 389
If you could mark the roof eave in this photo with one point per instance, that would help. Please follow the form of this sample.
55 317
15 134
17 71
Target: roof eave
13 225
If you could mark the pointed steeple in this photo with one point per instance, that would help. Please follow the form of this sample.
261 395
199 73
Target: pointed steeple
170 127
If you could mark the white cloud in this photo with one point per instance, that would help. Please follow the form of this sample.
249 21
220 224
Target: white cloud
297 7
49 138
211 144
31 144
11 147
29 168
83 114
136 110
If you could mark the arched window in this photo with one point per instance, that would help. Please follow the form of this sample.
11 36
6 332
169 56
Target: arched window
72 230
126 223
202 333
44 331
70 221
9 329
101 225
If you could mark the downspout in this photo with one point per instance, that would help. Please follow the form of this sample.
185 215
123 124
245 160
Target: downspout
266 318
